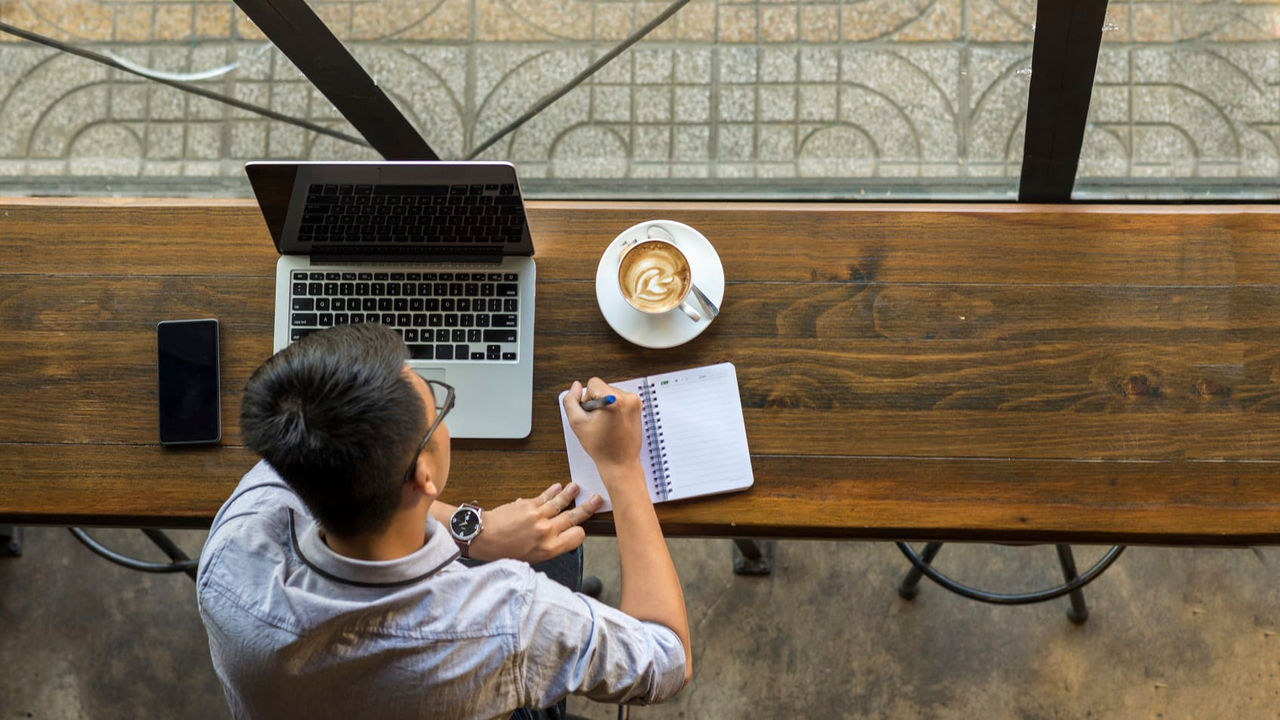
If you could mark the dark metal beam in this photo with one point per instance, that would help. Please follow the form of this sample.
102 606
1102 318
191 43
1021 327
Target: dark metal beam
303 37
1063 62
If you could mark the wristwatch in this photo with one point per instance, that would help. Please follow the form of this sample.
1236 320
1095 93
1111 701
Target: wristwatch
465 525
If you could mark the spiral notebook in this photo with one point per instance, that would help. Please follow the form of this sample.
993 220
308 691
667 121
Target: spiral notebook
694 440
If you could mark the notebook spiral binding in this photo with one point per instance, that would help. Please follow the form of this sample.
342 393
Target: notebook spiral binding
652 421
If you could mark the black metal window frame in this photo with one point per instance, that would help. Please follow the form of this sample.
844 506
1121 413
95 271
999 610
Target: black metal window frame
311 46
1064 61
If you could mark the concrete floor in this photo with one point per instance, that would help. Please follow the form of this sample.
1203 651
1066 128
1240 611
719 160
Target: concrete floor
1174 633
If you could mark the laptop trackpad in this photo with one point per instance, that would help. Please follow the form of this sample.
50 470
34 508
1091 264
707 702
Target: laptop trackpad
430 373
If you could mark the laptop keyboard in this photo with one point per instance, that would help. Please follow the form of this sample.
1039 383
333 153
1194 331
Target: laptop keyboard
472 216
440 315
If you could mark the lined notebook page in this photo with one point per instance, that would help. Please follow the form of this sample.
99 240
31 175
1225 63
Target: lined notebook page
699 417
699 446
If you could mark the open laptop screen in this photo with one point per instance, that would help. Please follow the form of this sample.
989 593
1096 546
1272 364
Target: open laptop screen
359 209
273 185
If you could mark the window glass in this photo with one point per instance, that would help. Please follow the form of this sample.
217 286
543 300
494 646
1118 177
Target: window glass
1186 102
69 124
729 98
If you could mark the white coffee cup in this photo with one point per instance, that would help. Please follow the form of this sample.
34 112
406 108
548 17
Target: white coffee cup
655 277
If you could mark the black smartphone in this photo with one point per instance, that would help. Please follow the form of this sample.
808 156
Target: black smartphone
190 390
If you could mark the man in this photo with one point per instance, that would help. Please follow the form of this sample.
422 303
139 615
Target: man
329 586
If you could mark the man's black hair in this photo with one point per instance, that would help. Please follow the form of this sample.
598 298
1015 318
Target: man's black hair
334 414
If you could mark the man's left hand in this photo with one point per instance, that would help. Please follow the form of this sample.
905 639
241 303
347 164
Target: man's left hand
535 530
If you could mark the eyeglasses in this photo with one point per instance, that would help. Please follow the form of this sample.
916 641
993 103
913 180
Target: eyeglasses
442 408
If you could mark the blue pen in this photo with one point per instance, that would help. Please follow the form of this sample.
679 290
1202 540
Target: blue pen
599 402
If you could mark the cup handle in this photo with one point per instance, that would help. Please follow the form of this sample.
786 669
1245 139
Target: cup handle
690 310
659 232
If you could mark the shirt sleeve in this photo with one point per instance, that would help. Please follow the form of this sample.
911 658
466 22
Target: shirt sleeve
261 496
245 501
573 644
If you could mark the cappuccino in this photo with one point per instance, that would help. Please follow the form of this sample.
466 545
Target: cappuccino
654 276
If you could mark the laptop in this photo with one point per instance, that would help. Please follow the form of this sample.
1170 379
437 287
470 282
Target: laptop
438 251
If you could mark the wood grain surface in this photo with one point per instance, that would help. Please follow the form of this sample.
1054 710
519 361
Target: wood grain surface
960 372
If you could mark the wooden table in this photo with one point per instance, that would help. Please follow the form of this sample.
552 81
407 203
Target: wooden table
977 372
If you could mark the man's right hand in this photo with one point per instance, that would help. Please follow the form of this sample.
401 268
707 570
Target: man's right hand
611 434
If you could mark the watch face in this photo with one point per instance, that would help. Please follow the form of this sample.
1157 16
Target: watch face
465 523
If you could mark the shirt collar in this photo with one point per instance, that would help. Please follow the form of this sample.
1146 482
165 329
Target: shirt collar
438 551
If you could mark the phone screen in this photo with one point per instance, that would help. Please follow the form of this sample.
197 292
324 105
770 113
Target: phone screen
190 404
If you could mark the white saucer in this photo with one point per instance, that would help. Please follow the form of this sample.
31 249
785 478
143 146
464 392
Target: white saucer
672 327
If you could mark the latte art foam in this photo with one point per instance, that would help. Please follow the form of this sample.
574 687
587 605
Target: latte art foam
654 276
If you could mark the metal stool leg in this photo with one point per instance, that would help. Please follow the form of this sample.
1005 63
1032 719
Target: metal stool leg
752 557
1079 612
910 584
10 540
170 548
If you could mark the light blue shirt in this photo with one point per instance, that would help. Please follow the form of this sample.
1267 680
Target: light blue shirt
296 629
